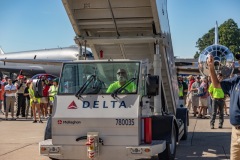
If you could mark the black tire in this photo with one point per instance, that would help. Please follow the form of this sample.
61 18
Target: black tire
170 151
185 135
48 129
53 158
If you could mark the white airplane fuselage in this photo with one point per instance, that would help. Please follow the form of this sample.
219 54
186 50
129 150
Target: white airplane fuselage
37 61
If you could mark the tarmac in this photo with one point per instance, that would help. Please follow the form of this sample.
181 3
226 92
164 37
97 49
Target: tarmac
19 140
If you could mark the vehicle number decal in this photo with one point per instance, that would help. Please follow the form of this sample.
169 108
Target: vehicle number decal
125 122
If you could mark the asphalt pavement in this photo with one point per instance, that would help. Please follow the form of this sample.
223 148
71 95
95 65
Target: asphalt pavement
19 140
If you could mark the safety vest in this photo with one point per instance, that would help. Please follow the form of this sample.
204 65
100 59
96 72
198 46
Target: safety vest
53 92
216 92
130 88
180 93
32 96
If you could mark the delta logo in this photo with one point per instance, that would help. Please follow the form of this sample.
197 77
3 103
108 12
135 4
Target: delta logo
59 121
72 105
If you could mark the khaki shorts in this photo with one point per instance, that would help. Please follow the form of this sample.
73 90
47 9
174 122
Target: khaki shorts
203 102
195 101
44 100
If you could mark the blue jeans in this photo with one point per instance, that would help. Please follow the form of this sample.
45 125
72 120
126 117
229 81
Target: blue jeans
217 104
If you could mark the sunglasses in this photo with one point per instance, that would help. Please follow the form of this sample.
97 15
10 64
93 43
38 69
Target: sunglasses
121 73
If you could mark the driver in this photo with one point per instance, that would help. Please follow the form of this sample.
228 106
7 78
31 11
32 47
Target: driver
122 79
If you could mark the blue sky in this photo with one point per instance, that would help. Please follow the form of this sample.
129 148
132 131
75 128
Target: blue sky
191 19
30 25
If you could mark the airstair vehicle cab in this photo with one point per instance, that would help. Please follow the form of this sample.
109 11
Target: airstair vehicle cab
140 119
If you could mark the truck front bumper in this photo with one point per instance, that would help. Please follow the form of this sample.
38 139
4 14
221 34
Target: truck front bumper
79 152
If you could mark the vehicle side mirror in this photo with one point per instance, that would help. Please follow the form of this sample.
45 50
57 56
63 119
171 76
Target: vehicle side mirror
152 85
37 88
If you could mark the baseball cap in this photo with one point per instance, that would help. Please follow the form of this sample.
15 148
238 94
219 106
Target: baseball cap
56 80
20 77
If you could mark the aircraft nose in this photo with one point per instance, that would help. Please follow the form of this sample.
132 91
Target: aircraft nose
223 60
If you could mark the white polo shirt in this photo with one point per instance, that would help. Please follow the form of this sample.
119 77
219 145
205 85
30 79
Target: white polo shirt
10 88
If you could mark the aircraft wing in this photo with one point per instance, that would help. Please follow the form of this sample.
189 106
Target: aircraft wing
192 68
27 70
35 61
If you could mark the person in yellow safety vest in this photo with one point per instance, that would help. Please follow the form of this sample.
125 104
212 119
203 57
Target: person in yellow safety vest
180 93
183 88
217 96
122 79
34 103
52 92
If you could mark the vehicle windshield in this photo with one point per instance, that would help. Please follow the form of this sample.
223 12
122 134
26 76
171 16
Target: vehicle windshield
99 78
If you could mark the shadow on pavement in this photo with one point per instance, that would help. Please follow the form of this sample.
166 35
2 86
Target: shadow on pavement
205 145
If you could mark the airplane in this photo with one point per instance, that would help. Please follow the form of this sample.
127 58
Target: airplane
40 61
223 61
191 68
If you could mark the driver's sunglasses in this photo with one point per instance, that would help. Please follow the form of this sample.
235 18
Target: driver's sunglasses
121 73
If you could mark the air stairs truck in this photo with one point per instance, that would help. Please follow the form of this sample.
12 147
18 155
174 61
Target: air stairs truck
90 121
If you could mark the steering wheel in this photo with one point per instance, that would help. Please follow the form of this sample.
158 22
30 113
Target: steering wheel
125 90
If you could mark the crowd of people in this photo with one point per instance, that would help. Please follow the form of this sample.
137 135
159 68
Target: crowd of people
20 93
202 98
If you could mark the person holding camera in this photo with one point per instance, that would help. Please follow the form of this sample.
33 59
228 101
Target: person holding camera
21 105
230 87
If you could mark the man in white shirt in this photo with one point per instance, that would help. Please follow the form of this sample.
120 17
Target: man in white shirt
10 90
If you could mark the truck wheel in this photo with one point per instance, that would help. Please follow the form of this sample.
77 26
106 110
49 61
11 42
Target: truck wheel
48 129
185 135
53 158
170 151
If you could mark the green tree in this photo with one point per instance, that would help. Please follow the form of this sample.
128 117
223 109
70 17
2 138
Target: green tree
229 36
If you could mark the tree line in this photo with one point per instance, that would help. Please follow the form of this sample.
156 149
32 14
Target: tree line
229 36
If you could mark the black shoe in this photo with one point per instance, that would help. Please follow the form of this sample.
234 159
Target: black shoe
203 117
40 121
220 126
212 126
35 121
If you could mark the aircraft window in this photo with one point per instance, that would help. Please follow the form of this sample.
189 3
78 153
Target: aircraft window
217 59
214 48
227 52
223 49
207 52
213 53
219 54
210 49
